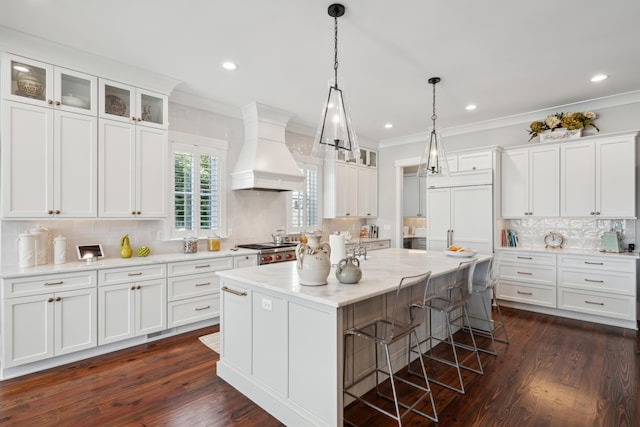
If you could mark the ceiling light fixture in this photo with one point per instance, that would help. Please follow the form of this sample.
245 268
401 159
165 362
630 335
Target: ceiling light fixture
228 65
388 125
433 160
335 131
599 78
471 107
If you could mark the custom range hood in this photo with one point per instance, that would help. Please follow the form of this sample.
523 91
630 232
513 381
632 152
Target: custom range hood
265 162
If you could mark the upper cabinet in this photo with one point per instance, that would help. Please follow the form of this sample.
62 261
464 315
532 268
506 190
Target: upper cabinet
598 178
38 83
530 182
133 105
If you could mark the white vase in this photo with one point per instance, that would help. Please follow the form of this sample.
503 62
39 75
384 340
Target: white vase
313 261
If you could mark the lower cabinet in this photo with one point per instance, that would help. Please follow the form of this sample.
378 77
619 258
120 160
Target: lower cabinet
236 320
40 323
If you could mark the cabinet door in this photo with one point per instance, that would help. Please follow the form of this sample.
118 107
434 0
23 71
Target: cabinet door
345 189
544 182
367 192
245 261
27 161
116 101
515 181
116 142
577 179
472 217
76 165
439 218
475 161
235 315
151 173
75 92
116 313
26 81
27 329
410 196
151 109
151 306
76 320
616 178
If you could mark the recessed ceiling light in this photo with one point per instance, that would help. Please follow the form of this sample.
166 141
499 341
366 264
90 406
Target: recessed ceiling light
388 126
228 65
471 107
599 77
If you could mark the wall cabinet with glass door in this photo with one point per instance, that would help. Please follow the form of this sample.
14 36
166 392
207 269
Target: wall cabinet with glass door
130 104
49 141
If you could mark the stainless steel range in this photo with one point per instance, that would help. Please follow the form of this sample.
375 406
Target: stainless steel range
270 253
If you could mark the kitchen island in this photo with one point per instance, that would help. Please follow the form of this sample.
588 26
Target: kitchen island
282 343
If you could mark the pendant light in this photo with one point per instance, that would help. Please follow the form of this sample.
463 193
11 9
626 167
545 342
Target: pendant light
434 159
335 132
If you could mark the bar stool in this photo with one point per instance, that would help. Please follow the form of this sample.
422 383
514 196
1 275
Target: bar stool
384 332
490 327
452 305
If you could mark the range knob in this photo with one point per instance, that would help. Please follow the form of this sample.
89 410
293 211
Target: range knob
290 256
278 257
266 258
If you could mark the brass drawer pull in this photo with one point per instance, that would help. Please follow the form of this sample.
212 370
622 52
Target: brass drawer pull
594 263
594 281
593 302
524 257
524 272
203 284
525 293
203 266
203 308
135 274
54 283
232 291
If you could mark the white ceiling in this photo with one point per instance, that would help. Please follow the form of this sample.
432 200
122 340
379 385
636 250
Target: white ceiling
508 57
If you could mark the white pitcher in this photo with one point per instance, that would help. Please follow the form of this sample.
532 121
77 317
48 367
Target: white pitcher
314 262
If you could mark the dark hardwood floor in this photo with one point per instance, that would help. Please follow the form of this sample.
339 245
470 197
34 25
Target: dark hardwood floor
555 372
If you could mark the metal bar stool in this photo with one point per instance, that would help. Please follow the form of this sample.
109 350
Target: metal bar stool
490 327
451 304
384 332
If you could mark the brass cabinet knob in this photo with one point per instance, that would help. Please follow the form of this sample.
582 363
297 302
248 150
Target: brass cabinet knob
50 300
139 119
58 103
133 118
133 212
57 211
50 212
133 288
49 101
138 212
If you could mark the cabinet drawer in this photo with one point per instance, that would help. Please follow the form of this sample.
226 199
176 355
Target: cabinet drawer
199 266
611 263
131 274
35 285
537 295
192 286
540 275
617 306
193 310
245 261
475 161
525 258
607 282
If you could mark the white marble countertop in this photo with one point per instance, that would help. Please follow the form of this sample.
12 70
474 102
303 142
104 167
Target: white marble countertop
567 251
381 273
75 266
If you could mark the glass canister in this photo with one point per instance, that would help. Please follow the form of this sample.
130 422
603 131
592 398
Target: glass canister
190 244
213 243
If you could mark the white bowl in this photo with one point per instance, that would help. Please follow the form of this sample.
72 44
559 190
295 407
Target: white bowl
461 254
74 101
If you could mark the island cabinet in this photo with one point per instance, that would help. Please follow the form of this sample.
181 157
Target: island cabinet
132 301
46 316
598 178
531 182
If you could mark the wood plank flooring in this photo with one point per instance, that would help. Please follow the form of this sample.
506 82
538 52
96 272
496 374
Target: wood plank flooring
555 372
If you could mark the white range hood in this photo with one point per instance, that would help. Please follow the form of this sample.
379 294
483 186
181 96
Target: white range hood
265 162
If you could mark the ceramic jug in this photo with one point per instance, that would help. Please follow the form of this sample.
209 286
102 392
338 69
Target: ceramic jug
348 270
313 261
125 247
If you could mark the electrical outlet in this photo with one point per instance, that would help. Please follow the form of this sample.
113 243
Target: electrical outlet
159 235
267 304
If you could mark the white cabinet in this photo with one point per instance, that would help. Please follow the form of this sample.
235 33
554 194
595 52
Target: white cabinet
414 196
132 301
367 192
531 182
236 326
242 261
133 179
47 316
598 178
527 277
45 85
129 104
464 213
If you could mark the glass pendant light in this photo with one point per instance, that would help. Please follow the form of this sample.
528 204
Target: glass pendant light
335 131
434 159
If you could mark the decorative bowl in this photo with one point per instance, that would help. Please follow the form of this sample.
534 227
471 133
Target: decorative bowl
74 101
466 253
114 105
30 86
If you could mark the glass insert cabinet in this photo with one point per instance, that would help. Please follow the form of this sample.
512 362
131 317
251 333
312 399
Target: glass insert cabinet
131 104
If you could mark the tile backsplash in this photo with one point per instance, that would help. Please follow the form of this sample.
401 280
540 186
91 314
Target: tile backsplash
578 233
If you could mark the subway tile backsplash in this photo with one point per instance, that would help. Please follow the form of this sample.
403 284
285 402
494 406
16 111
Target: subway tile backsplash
579 233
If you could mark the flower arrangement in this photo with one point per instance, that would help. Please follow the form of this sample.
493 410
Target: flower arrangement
570 121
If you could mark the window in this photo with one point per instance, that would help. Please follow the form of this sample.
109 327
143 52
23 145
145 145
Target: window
198 191
304 206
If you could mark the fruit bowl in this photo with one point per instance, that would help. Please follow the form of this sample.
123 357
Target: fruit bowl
460 252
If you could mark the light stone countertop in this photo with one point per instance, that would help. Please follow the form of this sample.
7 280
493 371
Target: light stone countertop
567 251
113 262
381 273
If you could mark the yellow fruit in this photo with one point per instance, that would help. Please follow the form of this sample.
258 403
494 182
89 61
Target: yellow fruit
143 251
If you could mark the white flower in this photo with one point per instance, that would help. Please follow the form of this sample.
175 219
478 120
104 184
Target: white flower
590 115
552 121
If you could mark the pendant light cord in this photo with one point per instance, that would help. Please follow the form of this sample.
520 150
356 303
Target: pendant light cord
335 52
434 116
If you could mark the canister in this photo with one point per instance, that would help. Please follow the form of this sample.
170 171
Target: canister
213 243
26 250
43 240
190 245
59 250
